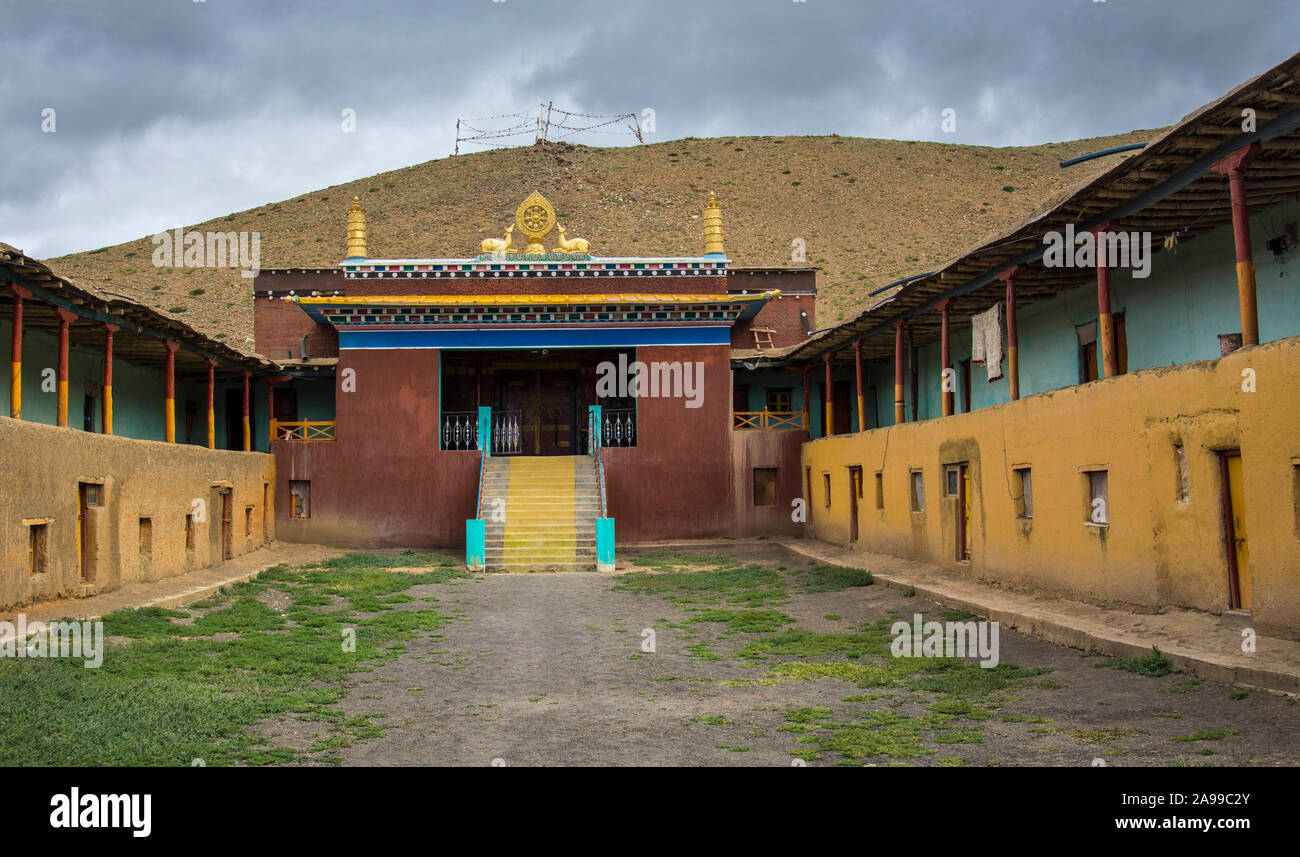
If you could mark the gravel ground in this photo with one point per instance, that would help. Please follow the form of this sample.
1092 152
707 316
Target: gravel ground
549 670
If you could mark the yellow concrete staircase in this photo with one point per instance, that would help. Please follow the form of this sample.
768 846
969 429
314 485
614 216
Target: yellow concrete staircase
548 519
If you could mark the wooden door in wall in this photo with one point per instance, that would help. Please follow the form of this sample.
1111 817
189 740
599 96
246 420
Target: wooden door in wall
855 501
1234 526
545 400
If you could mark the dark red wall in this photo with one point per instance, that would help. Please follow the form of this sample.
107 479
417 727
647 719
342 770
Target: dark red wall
278 325
676 482
383 482
780 449
780 314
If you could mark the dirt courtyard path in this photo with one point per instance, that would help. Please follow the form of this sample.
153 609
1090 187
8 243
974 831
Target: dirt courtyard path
549 670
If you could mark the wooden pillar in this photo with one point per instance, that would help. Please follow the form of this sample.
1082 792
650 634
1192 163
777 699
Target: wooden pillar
1235 167
900 414
212 413
1105 321
248 429
109 330
16 354
65 321
1013 348
807 406
169 391
945 359
862 402
829 396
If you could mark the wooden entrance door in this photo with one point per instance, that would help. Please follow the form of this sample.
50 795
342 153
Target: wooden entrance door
546 400
83 530
1234 526
227 536
855 497
957 485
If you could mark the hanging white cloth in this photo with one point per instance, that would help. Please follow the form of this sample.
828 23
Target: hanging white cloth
986 340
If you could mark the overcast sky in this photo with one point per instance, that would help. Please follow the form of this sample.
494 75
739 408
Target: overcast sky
170 112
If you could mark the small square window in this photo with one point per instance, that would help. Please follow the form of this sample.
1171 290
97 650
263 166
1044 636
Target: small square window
1099 498
300 498
952 481
918 491
779 400
764 486
1025 502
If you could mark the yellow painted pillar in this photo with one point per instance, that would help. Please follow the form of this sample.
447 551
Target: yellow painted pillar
169 392
1234 167
212 414
248 429
65 323
862 403
109 330
16 355
829 396
900 412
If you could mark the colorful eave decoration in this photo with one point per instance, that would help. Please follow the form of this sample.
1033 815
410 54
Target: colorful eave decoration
490 266
503 311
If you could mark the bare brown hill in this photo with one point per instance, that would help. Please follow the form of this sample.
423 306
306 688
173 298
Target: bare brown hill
869 211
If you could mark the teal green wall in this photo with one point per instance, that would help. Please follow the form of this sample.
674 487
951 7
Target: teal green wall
1173 316
759 381
315 398
137 393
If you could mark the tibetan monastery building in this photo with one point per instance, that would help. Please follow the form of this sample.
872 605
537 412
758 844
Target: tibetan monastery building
537 392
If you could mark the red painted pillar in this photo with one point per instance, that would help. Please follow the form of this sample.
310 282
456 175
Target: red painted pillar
169 391
212 414
829 396
65 321
862 402
900 412
109 330
1235 167
16 354
1013 347
248 432
1105 321
945 358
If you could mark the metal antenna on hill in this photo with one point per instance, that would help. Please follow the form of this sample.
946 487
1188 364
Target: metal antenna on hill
498 131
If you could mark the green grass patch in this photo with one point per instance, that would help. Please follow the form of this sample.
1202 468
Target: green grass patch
175 692
1154 664
1207 735
744 621
831 578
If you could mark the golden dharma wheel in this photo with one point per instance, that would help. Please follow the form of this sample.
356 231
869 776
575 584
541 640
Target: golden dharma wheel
535 217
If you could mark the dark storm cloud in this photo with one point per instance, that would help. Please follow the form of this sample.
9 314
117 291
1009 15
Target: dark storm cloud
174 111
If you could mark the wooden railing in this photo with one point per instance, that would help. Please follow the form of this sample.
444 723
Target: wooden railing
303 430
767 419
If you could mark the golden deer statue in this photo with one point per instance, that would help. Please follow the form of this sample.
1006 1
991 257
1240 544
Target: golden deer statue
571 245
496 245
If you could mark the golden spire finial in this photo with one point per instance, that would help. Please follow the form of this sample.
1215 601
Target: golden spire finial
713 228
356 230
